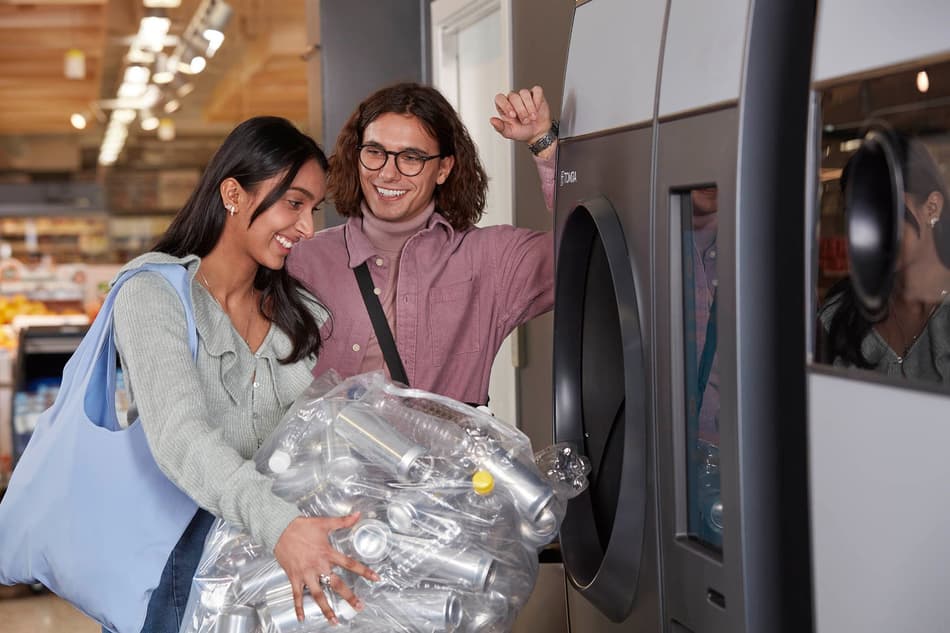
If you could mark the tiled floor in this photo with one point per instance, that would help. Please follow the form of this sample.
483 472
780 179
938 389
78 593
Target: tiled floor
24 612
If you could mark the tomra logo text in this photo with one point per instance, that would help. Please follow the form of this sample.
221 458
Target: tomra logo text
568 177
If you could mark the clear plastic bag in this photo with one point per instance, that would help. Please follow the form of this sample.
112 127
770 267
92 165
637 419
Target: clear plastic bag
453 508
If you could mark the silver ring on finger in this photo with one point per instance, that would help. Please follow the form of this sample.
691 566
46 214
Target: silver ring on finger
325 580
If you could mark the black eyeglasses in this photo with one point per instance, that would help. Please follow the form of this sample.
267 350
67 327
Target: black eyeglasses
409 162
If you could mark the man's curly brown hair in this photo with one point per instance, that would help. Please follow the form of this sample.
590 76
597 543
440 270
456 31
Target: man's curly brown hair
460 199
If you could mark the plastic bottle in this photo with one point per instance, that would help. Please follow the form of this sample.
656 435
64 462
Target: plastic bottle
488 515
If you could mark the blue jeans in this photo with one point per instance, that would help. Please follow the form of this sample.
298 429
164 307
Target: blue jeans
166 608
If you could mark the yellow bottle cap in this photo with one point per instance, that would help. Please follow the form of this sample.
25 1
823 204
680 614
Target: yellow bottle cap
482 482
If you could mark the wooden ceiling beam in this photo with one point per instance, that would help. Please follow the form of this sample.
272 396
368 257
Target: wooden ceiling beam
26 41
49 18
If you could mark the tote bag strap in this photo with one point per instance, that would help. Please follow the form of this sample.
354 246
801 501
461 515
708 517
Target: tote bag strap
100 343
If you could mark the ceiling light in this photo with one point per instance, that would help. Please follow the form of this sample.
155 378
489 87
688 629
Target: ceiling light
185 89
78 121
74 64
164 69
214 24
161 4
136 75
189 61
851 145
152 30
171 106
923 81
147 120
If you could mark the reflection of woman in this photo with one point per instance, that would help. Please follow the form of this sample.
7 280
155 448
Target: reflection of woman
913 337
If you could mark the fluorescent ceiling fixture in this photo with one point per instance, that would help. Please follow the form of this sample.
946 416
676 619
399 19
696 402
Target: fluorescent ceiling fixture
161 4
78 121
923 81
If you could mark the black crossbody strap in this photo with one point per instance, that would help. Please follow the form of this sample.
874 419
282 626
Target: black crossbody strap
383 334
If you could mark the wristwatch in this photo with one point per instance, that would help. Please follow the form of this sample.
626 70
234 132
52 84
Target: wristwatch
545 141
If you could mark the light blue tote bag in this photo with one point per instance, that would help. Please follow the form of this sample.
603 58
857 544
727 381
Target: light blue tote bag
88 513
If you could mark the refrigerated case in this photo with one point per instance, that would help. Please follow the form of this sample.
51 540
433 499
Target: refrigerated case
42 353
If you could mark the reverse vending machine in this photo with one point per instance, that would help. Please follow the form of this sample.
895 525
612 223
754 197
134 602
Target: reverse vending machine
733 178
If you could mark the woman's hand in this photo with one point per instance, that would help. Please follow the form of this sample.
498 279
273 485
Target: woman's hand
523 115
305 553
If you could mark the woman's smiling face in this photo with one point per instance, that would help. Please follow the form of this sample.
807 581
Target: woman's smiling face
272 235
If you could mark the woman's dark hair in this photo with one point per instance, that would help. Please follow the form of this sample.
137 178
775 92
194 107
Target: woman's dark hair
256 150
849 326
460 199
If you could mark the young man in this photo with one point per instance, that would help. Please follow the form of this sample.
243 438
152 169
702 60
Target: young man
407 176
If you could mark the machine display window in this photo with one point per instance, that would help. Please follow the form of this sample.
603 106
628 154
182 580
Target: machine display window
699 249
882 288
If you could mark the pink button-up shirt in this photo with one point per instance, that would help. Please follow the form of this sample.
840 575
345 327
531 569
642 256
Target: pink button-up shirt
458 294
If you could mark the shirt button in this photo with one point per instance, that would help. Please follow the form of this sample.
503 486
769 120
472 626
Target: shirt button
377 291
256 384
356 347
712 254
379 261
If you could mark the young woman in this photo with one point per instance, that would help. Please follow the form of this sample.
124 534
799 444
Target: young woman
257 343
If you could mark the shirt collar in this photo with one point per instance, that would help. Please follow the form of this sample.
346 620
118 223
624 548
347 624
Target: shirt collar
360 248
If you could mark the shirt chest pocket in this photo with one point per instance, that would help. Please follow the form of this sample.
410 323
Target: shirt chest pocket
454 321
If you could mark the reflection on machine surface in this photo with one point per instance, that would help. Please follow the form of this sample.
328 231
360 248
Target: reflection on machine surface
699 250
886 152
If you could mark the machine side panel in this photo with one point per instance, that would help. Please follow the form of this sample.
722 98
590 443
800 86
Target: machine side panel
702 55
610 80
